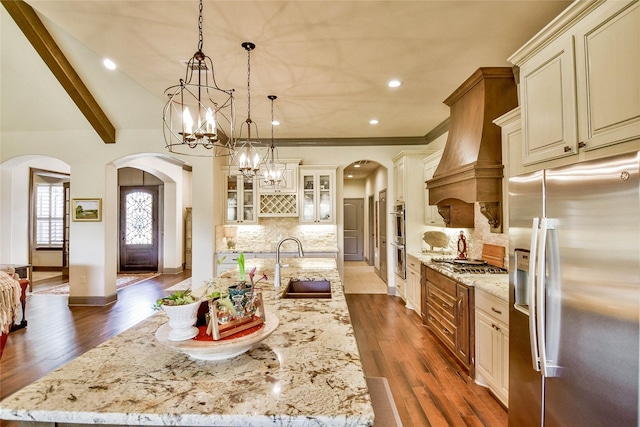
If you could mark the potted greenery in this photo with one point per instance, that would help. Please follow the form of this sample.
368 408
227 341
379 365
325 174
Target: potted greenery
182 309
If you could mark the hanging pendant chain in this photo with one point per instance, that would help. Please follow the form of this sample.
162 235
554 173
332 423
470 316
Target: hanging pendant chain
249 85
272 127
200 28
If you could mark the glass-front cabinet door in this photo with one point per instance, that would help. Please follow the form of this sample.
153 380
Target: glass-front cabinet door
318 193
240 201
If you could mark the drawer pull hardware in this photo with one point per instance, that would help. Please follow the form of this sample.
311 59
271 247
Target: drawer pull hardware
496 311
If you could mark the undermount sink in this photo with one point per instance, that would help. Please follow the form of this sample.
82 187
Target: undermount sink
297 288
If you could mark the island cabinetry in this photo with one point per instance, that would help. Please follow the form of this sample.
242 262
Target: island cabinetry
317 194
283 200
492 345
449 314
579 81
413 287
240 200
226 262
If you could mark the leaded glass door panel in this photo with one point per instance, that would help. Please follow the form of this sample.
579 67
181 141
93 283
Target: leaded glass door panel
139 228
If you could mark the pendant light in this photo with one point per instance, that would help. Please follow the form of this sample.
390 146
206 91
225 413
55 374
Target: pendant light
247 156
273 175
199 117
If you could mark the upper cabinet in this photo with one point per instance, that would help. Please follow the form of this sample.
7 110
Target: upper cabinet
400 175
318 194
290 181
579 85
608 74
281 201
431 215
240 200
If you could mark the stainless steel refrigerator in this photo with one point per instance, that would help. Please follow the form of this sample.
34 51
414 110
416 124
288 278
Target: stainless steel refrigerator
575 295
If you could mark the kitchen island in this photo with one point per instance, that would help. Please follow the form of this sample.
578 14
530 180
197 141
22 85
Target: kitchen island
307 373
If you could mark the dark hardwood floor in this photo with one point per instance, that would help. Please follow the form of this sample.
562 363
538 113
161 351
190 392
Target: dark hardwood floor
429 387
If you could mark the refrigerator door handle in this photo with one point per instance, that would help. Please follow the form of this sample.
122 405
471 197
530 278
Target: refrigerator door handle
531 287
548 343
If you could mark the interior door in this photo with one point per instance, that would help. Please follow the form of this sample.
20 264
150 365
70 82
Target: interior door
372 232
382 229
139 228
353 229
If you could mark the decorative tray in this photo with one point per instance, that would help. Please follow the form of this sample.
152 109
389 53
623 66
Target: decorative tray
221 349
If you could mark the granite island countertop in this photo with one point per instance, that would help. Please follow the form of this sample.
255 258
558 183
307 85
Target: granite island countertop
494 284
307 373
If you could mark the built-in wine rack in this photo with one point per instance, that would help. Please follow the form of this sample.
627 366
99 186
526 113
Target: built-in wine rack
278 205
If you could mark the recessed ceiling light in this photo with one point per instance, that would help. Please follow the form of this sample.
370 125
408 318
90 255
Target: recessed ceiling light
357 165
394 83
373 122
349 176
275 123
109 64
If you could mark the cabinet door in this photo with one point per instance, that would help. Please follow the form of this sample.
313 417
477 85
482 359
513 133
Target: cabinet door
413 290
240 201
547 92
431 215
232 199
485 348
318 197
248 213
290 184
607 74
325 195
503 365
399 176
463 324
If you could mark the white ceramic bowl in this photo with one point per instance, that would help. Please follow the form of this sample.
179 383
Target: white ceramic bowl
219 350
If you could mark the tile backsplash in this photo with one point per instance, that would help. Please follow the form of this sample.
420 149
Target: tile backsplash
475 236
265 236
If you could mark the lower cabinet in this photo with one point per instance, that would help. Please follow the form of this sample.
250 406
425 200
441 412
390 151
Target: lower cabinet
401 288
492 345
450 315
413 290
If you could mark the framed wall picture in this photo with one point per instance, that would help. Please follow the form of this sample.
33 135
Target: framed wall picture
86 210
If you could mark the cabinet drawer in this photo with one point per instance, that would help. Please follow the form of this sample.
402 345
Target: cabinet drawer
442 328
441 281
441 302
495 307
413 264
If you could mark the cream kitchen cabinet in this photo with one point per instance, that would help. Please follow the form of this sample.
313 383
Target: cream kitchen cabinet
240 200
281 201
290 181
492 345
400 176
431 215
318 194
401 288
413 285
579 85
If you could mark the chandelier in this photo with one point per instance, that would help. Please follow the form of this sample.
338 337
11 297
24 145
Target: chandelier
198 111
273 175
247 157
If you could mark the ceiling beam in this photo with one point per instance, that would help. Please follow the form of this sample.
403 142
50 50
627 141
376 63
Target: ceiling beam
37 34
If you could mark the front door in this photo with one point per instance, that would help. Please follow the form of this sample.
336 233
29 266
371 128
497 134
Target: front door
139 229
353 229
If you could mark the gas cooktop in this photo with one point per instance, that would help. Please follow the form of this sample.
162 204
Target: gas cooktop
468 266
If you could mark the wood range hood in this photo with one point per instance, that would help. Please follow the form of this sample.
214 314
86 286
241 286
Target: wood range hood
471 167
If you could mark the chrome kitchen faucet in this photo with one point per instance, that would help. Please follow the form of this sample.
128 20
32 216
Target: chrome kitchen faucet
276 276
